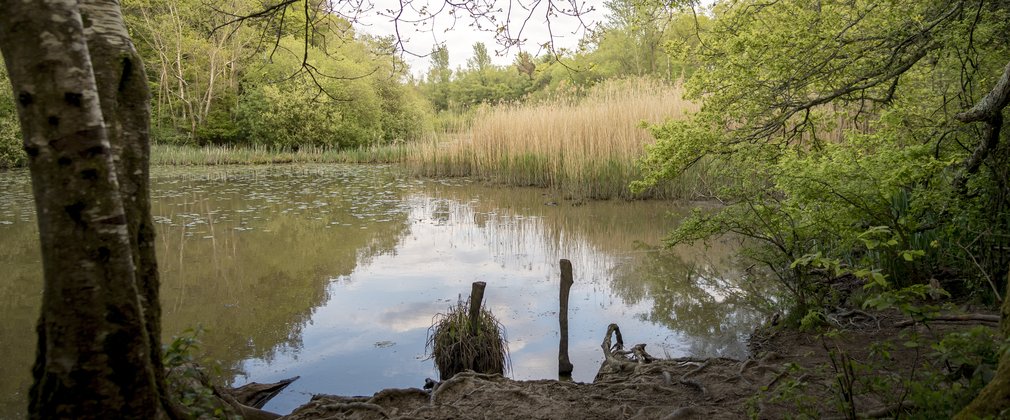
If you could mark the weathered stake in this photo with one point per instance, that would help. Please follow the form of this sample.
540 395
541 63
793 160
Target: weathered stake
565 366
476 297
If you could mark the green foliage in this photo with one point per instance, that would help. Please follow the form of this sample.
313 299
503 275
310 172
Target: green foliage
181 351
956 370
331 87
813 320
187 381
833 128
964 352
11 152
942 381
792 391
439 77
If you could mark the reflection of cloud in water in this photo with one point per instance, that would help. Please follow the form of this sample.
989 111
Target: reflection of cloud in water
415 315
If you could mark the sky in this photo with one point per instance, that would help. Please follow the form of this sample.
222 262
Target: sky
459 36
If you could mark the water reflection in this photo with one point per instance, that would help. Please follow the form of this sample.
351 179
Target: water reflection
694 295
248 252
334 273
20 290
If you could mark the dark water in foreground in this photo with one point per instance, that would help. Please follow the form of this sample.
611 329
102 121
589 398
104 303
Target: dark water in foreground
334 273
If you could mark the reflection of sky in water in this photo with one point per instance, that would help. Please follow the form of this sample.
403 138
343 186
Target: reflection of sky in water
334 273
450 244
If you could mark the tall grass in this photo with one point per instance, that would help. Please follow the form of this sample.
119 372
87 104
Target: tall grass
586 147
229 155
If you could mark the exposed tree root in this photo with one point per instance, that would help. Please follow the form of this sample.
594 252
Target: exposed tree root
634 385
852 318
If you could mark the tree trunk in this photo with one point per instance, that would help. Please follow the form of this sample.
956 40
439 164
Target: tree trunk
994 400
84 112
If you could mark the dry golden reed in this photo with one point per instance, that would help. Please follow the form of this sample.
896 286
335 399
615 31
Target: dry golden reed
587 147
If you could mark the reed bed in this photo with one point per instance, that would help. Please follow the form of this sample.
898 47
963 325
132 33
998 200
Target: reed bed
586 147
251 155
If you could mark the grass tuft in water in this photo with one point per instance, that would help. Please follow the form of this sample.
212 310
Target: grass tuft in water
455 349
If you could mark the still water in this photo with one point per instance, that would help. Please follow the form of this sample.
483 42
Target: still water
333 273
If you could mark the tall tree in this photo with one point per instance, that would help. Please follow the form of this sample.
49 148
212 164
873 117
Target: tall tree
439 76
83 106
481 61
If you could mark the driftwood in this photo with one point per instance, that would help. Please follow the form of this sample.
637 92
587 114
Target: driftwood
243 401
641 355
612 350
256 395
616 358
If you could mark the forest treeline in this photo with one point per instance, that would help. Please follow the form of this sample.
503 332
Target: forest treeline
262 82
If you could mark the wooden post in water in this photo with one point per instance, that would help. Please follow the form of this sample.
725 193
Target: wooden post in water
476 297
565 366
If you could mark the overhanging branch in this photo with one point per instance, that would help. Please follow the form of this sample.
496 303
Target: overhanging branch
992 104
990 110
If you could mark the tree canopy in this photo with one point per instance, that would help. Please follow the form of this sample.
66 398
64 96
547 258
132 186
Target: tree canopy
835 128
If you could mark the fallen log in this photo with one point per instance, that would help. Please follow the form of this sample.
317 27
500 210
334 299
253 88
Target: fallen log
256 395
953 318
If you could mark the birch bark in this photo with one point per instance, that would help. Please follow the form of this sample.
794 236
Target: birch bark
83 108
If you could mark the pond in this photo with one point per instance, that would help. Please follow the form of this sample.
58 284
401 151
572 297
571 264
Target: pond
334 273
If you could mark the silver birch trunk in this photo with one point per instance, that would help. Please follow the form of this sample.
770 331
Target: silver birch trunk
83 107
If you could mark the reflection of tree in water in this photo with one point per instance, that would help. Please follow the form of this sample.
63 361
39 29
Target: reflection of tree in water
526 225
703 298
20 299
20 290
691 288
250 256
247 253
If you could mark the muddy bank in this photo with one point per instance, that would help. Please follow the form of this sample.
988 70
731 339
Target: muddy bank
791 373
